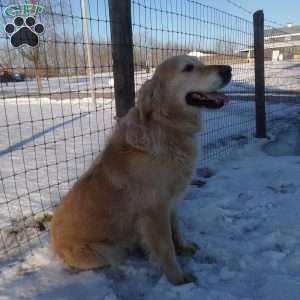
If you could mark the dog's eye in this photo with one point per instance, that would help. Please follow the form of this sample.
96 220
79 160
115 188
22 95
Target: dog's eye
188 68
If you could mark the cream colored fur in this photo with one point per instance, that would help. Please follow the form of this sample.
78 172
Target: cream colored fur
128 195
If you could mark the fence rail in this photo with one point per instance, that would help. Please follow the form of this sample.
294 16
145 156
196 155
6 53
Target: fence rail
57 101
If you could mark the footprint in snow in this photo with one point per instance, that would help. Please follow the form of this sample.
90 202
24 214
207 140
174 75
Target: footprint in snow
284 188
237 204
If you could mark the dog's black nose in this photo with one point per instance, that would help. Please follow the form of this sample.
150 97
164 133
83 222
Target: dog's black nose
225 73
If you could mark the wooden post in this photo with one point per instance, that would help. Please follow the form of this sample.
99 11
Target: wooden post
260 102
122 54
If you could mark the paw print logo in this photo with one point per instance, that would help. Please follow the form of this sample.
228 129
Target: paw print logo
24 32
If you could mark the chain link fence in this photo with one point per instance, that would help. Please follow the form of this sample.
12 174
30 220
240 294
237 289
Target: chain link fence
57 101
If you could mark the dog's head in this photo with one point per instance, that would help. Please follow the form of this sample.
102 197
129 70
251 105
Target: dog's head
181 86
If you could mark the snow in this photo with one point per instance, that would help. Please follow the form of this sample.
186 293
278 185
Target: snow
246 220
41 159
280 76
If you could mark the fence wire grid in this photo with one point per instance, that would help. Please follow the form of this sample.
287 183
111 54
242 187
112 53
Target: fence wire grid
282 67
57 100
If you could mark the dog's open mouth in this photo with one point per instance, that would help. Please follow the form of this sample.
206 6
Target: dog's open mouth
207 100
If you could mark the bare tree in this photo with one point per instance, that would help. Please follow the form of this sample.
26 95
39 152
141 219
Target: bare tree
224 46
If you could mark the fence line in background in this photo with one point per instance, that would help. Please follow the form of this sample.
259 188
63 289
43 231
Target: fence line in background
50 126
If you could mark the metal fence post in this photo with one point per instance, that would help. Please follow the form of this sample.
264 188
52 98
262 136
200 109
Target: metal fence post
122 54
260 101
89 51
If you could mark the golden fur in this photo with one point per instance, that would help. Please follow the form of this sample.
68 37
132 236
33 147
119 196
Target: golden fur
128 195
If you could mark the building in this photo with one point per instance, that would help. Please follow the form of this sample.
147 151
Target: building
201 54
280 44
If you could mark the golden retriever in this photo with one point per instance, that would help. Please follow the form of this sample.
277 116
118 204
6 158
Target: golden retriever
128 195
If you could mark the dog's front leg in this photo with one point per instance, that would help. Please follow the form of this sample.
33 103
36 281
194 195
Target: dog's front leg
156 233
182 247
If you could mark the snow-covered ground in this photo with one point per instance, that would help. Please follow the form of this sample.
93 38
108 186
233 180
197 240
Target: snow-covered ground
282 76
46 143
246 220
44 146
41 159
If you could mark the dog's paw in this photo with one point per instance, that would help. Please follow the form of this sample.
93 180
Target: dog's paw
198 182
189 277
187 249
184 278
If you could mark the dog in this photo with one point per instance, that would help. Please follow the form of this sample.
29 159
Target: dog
128 195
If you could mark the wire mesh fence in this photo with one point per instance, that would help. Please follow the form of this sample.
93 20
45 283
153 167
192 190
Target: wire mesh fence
165 28
282 66
57 99
50 127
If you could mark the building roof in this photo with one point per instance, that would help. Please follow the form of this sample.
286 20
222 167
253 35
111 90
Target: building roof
283 30
283 37
200 53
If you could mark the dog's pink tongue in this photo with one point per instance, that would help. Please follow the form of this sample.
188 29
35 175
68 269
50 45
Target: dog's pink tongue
217 97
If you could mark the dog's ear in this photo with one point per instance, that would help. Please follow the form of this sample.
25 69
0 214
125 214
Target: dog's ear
145 100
